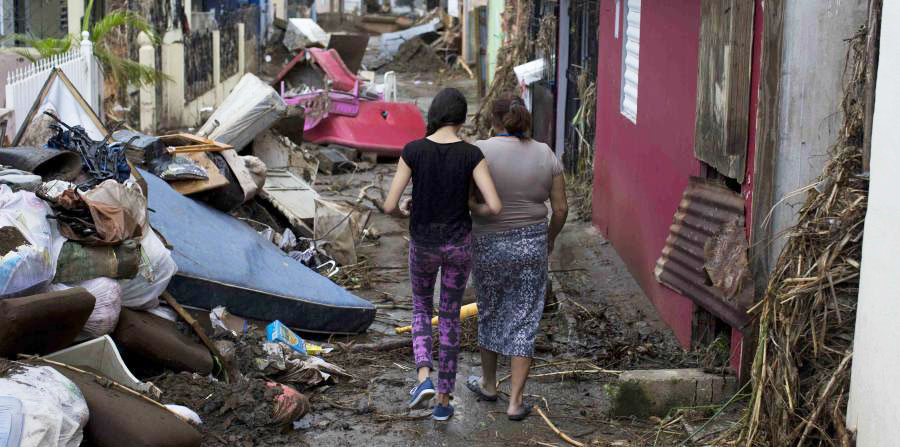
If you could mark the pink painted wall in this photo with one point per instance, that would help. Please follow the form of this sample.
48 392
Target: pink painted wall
641 169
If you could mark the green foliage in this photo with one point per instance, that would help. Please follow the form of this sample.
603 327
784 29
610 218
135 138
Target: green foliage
122 71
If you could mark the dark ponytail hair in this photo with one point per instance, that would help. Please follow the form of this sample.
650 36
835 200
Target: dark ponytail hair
448 108
511 115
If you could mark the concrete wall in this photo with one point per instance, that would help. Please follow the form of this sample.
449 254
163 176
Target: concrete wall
811 91
494 35
175 112
874 390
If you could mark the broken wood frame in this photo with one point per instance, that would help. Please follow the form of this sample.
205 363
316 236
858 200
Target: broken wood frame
58 73
723 85
185 143
766 149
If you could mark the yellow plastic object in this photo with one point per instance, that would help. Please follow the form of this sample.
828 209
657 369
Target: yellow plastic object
467 311
312 349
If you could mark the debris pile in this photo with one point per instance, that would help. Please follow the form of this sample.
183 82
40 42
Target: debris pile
105 234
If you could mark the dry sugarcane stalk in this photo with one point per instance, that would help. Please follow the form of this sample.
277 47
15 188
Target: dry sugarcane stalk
562 435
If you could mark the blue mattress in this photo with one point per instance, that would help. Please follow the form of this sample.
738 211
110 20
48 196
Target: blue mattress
223 262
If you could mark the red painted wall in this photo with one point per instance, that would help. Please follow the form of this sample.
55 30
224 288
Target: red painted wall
641 170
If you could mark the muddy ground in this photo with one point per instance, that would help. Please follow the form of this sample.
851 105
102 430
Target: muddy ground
602 323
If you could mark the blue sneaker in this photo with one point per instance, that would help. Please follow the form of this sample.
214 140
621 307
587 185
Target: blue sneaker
421 394
442 413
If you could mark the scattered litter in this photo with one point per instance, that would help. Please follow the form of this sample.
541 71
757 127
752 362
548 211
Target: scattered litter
185 414
278 332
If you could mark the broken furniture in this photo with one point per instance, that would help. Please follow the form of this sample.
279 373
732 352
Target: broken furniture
43 323
146 338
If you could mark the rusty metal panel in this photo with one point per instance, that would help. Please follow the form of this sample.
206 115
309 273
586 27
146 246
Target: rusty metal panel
705 256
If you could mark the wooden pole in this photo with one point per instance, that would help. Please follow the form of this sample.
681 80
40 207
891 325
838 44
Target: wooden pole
198 330
873 29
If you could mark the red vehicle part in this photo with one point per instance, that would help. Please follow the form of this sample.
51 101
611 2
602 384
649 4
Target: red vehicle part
380 127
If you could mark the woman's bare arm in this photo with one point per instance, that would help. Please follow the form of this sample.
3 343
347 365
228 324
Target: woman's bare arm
398 184
485 183
560 207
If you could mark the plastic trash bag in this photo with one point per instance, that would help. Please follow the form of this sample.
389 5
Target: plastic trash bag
119 210
52 410
156 270
31 266
107 305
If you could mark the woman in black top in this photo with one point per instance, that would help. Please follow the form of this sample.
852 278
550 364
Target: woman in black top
442 168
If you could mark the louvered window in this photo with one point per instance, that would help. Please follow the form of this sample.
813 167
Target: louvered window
631 47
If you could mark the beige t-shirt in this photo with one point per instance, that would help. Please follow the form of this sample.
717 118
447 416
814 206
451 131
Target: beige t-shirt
523 173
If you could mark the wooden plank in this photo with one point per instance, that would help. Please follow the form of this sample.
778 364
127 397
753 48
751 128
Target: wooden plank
723 85
767 125
874 26
216 179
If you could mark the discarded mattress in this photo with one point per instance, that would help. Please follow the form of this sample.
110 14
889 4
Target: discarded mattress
224 262
380 127
250 109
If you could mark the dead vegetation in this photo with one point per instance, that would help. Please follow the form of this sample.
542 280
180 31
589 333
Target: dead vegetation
801 372
581 183
513 53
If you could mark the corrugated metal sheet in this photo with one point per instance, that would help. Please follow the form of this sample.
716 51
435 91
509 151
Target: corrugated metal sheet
702 236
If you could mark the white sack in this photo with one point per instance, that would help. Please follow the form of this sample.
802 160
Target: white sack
53 410
107 305
154 273
30 267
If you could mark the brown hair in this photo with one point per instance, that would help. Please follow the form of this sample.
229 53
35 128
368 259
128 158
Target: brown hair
511 115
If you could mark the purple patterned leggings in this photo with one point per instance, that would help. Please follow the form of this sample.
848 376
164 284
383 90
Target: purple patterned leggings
455 262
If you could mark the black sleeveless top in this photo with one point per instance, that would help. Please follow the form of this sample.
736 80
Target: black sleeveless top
441 175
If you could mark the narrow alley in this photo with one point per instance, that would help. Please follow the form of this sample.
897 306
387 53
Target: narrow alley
219 220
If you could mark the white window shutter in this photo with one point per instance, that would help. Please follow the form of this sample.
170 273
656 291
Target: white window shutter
631 48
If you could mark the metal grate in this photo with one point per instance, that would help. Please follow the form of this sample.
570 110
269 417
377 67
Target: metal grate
198 64
228 49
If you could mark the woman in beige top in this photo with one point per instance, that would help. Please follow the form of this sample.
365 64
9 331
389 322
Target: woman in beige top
511 249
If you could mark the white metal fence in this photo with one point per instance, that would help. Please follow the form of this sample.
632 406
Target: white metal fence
24 85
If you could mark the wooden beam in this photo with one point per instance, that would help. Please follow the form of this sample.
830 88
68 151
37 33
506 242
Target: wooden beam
767 125
874 29
723 85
